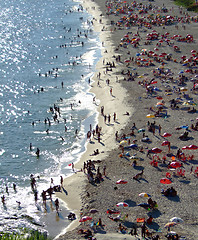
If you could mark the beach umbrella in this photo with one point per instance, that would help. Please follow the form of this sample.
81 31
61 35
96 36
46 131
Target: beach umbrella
160 103
121 181
193 51
144 205
151 52
192 147
159 97
122 204
132 146
170 224
144 195
123 142
183 89
175 165
150 116
127 60
85 218
93 210
155 55
176 220
166 135
153 82
185 103
165 143
165 181
156 150
109 211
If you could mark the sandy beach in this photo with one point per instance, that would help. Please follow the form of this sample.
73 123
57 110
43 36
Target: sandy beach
146 84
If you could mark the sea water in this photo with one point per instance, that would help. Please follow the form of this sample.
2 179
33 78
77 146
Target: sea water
48 56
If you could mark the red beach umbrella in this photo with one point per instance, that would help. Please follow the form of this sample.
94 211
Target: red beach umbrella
165 143
155 55
165 181
153 82
192 147
166 135
109 211
156 150
175 165
85 218
122 204
121 181
193 51
159 97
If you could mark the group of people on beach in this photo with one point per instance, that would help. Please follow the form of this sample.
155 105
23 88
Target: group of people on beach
133 15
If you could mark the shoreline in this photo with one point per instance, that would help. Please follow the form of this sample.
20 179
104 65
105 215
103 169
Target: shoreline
76 184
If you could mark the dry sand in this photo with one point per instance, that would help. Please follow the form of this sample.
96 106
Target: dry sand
131 97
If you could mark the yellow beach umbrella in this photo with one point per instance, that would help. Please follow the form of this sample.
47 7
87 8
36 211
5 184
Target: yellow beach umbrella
123 142
150 116
183 89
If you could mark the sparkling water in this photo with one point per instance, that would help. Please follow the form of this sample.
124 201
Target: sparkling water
48 53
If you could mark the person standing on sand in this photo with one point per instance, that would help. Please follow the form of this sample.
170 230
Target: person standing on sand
111 91
73 167
114 117
143 229
159 129
109 119
57 205
116 135
104 170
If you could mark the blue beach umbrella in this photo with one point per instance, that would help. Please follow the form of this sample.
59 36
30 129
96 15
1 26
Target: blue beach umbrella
144 205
